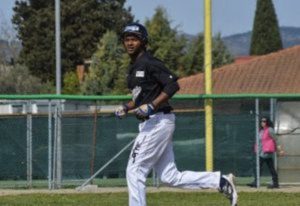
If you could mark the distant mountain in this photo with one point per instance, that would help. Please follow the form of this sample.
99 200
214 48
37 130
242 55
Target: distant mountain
239 44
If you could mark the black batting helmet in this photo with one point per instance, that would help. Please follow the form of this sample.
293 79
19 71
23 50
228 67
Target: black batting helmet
137 30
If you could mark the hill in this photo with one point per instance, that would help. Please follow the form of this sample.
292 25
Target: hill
239 44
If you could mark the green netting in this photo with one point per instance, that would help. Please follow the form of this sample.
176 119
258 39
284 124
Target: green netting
83 134
233 135
13 148
40 147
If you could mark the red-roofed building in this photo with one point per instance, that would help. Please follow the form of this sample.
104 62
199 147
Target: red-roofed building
277 72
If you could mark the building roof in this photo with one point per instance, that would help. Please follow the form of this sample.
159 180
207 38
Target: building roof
278 72
243 59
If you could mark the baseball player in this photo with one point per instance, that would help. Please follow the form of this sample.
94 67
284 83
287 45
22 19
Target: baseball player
152 85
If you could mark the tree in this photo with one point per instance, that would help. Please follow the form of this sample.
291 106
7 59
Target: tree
194 59
265 35
9 45
171 47
83 22
18 80
71 83
220 54
107 74
165 42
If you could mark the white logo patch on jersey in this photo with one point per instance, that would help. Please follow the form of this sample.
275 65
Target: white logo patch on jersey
140 74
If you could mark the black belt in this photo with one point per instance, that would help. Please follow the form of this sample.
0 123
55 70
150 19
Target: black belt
163 111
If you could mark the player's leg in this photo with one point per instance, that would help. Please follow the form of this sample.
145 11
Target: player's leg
135 176
227 187
148 147
167 171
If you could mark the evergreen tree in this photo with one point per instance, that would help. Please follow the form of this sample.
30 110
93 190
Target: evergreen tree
265 35
71 83
220 53
165 43
194 59
171 47
83 22
108 68
109 63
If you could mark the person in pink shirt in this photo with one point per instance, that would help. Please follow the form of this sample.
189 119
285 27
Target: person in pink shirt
266 147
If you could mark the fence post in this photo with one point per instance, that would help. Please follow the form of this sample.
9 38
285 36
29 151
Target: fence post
155 178
94 139
54 149
29 143
57 147
49 145
257 117
272 117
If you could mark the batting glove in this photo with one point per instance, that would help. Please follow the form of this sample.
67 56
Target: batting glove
144 111
121 111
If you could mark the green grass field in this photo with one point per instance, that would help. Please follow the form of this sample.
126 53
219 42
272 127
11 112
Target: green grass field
153 199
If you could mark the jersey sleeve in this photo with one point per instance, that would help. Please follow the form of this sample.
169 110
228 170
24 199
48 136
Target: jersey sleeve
165 78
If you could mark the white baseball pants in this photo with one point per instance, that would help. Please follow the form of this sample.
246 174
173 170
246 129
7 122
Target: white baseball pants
153 149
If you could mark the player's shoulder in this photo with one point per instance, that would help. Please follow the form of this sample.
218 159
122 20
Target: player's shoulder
149 62
153 61
148 56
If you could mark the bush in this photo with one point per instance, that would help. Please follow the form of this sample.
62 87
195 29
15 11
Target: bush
18 80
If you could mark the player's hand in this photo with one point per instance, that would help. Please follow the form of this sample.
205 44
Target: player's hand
144 111
121 111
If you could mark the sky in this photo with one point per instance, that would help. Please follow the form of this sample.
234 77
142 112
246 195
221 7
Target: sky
229 16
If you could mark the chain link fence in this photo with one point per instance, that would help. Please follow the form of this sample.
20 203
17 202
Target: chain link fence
63 141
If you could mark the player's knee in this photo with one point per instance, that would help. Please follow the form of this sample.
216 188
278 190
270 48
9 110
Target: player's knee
129 172
132 172
170 179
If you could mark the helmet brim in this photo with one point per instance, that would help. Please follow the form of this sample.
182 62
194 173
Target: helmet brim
135 34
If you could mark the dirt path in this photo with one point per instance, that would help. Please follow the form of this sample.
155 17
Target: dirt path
93 189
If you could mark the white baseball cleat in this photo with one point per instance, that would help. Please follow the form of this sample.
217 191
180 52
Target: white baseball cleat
229 190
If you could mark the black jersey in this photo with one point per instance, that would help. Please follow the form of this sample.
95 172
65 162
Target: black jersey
147 77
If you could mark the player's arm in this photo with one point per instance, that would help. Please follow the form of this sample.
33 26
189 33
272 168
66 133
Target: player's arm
167 80
170 86
130 105
122 110
163 97
169 90
145 110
